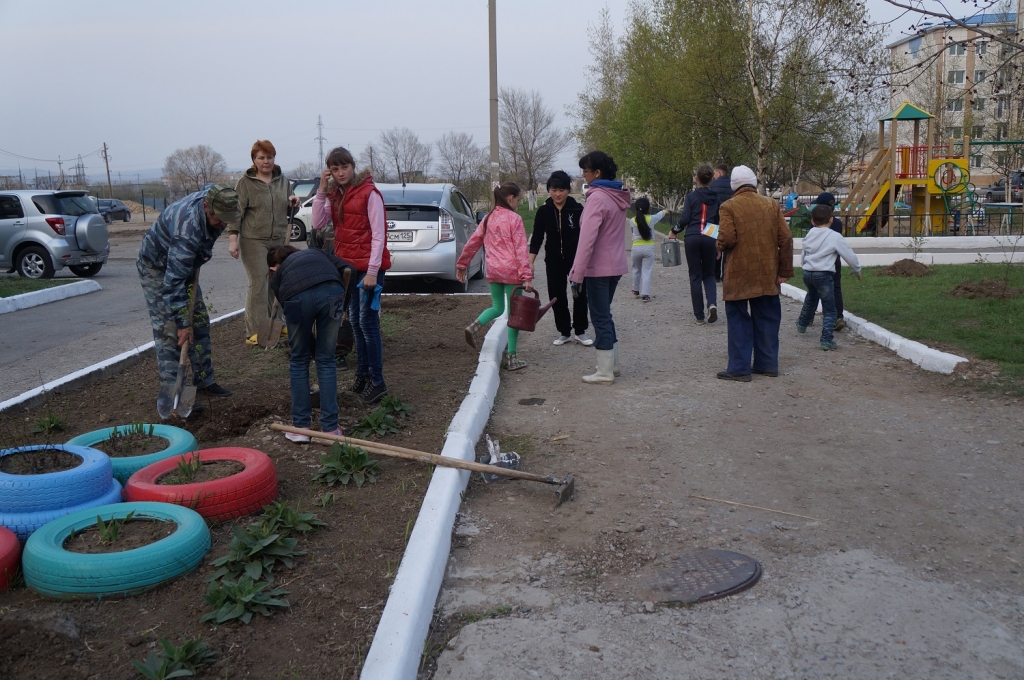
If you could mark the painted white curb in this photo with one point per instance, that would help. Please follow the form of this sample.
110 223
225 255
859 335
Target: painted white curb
927 358
41 297
111 365
405 622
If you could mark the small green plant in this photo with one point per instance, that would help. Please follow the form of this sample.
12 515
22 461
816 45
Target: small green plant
395 406
111 529
279 516
174 662
915 244
188 466
380 423
49 424
327 500
241 599
346 463
124 438
255 552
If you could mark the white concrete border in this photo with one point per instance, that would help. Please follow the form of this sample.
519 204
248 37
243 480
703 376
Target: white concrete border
41 297
90 373
398 643
927 358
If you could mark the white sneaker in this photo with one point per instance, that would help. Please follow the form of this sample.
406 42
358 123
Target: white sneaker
583 339
297 438
561 340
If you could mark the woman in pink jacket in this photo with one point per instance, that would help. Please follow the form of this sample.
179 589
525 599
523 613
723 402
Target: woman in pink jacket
601 257
508 264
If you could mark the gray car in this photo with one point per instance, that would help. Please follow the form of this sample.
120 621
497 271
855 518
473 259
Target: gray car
42 232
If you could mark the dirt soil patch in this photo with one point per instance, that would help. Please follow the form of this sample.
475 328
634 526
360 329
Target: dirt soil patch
134 533
338 589
905 268
38 462
131 444
986 288
207 472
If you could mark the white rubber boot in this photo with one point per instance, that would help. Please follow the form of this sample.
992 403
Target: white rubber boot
615 364
605 368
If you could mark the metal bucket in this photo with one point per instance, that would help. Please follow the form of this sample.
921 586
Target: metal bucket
670 256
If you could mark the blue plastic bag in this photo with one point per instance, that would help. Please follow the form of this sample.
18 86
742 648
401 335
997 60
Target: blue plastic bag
375 302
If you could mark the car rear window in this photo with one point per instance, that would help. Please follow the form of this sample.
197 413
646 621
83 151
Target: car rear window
105 203
411 213
74 205
412 196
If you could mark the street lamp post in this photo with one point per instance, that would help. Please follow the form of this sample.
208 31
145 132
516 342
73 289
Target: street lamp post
492 20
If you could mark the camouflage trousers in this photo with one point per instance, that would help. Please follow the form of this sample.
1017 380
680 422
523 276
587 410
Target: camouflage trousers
165 331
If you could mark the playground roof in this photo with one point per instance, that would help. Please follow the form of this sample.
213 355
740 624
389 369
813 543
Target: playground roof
907 111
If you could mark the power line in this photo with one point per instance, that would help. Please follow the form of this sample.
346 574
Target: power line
43 160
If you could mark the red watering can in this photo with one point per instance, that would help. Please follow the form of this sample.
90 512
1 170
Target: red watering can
524 312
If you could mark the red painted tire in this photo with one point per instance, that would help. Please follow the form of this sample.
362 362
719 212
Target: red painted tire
10 556
240 494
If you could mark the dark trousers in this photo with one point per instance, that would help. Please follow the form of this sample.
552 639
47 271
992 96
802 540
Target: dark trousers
754 331
602 291
837 288
819 288
558 287
700 260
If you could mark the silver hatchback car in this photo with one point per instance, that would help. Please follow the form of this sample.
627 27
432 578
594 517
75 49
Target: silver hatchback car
42 232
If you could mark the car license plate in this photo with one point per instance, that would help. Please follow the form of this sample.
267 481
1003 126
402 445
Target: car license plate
85 259
400 236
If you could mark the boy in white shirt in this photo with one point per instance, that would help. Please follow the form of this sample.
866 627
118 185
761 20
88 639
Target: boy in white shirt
820 247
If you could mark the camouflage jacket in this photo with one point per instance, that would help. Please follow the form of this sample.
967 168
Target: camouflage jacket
178 243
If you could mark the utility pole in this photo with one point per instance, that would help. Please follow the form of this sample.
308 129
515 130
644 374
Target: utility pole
493 30
320 138
60 169
106 159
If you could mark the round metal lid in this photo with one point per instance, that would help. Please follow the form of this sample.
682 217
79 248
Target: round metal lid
704 575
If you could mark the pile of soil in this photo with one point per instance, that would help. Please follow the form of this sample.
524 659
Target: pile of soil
905 268
986 288
38 462
136 209
207 472
131 444
134 533
338 590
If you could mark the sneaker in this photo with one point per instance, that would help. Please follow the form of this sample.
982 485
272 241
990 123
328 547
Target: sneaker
215 390
829 346
800 329
645 298
726 375
712 314
514 363
840 324
341 363
297 438
359 384
699 322
374 393
336 432
561 340
252 340
583 339
472 334
636 293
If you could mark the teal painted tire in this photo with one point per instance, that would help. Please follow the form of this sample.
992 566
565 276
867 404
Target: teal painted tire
55 490
24 523
179 442
51 570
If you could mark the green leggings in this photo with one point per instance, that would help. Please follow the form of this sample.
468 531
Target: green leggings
500 292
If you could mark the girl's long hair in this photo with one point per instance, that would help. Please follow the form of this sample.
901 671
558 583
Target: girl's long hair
502 193
642 207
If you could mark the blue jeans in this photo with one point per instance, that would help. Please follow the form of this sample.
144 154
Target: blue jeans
757 331
819 287
600 292
318 306
366 328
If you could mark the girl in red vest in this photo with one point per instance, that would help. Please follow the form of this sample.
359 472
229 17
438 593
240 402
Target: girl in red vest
508 264
360 237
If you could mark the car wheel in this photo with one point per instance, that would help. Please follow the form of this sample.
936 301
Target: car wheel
127 216
297 231
85 270
34 263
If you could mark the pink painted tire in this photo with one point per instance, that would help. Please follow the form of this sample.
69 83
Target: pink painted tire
10 557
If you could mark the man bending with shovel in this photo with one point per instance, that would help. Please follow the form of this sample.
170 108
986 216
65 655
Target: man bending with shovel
172 251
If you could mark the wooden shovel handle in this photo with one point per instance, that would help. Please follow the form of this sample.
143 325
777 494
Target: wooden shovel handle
421 456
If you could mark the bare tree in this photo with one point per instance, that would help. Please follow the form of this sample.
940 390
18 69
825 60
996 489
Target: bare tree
403 148
530 142
373 160
458 154
304 170
189 169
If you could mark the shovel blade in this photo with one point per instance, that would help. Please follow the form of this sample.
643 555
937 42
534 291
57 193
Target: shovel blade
165 401
265 333
275 333
186 401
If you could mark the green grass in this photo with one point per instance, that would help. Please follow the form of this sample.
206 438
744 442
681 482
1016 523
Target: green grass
527 214
392 324
917 308
16 285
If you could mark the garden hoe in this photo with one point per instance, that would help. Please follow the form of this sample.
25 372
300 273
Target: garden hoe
565 488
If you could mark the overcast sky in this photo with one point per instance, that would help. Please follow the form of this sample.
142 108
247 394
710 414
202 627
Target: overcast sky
151 77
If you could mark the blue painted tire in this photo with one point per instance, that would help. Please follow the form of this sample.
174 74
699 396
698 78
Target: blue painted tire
24 523
179 442
55 490
51 570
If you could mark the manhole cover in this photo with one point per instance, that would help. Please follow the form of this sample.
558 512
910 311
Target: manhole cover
705 575
532 401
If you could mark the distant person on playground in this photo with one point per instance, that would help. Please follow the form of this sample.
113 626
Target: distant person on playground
558 221
828 199
700 208
822 246
720 185
507 261
642 250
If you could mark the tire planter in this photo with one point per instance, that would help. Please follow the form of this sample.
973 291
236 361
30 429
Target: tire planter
179 442
10 555
238 495
51 570
55 490
24 523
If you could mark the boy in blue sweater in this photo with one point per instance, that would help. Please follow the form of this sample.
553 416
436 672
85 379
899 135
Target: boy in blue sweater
820 248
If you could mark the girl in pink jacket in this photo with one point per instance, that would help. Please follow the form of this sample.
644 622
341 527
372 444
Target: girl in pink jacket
508 264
